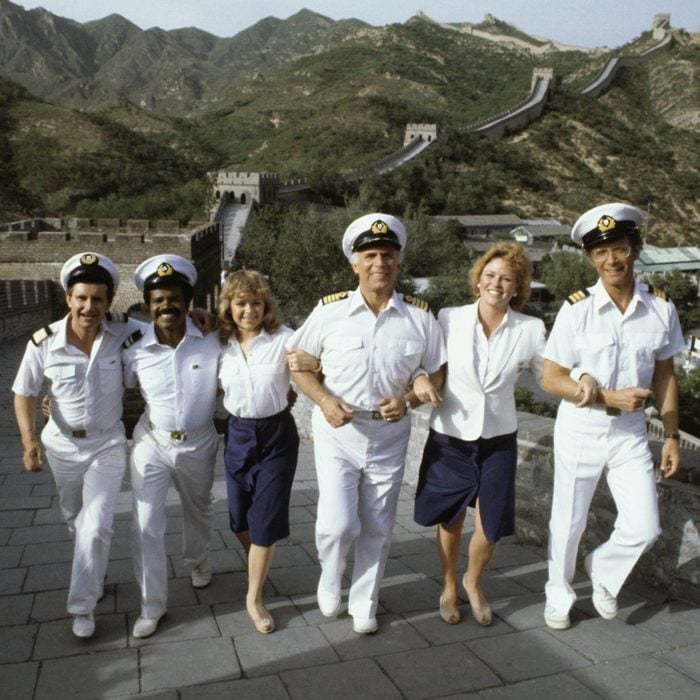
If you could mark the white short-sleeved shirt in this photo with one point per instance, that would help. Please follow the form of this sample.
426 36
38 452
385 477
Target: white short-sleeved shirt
85 391
178 384
256 386
365 357
618 350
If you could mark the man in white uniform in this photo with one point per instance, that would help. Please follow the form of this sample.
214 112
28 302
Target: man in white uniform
371 343
175 366
623 335
80 358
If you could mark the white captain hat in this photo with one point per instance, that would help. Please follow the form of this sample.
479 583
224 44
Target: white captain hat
607 222
165 270
92 268
371 230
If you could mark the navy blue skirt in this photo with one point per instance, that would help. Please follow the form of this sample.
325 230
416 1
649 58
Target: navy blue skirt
454 473
260 457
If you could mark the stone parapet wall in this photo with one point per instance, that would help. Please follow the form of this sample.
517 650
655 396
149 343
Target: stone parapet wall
25 306
40 255
672 564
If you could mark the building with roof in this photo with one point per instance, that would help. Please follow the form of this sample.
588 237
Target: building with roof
661 260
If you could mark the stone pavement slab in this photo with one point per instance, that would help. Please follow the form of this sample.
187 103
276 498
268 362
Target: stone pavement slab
344 681
529 654
437 671
102 675
638 678
187 663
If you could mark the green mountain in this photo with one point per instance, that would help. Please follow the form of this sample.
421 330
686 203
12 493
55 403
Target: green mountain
117 121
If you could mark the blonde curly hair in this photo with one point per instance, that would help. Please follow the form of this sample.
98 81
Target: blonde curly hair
247 284
514 256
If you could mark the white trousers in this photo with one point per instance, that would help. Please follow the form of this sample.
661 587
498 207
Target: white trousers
88 473
585 443
156 461
359 468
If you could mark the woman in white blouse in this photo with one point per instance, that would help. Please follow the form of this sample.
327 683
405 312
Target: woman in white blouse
261 437
471 452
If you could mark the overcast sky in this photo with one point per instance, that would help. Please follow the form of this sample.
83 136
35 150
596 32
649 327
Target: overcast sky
589 23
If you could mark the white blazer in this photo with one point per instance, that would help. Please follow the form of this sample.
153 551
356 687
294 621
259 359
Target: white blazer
470 409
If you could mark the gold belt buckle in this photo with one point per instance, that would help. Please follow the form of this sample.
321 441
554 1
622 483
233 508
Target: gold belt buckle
178 435
375 415
79 433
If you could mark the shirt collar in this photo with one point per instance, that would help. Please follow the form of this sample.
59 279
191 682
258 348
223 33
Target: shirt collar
61 335
601 298
357 301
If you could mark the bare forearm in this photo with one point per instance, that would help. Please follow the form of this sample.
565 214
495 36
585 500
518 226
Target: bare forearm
556 381
25 413
665 385
310 385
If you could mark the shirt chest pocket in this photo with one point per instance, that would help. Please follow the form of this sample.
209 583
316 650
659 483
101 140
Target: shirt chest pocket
343 351
155 378
401 358
646 345
110 371
61 376
595 351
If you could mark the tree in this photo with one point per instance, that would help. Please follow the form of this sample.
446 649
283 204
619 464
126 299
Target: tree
684 294
564 273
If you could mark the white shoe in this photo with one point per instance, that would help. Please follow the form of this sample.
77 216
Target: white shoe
603 601
365 625
201 574
145 627
328 603
556 620
84 626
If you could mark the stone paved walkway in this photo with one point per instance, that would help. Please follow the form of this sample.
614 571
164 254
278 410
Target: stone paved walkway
207 648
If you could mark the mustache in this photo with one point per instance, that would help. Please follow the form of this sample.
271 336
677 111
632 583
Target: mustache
169 310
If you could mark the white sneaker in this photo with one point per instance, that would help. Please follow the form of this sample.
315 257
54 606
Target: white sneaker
84 626
365 625
145 627
201 574
603 601
328 603
556 620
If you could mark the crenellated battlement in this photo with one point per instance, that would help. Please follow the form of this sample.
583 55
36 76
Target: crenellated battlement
243 187
34 250
425 132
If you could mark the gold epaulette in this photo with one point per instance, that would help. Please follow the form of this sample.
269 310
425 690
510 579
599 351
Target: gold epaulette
329 298
116 317
41 335
419 303
577 296
132 339
657 292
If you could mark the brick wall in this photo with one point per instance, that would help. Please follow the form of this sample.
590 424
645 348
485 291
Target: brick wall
25 306
39 255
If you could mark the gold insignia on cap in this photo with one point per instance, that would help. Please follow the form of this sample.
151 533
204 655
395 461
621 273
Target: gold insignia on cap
379 227
88 259
606 223
164 269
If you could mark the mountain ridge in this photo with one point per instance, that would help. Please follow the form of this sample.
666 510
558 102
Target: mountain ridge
311 97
